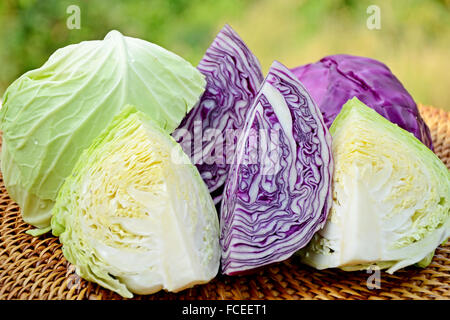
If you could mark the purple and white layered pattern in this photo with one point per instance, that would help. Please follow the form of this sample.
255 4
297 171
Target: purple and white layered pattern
233 75
265 218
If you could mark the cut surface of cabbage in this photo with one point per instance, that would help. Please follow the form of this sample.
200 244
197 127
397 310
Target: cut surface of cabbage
133 217
391 197
278 192
233 77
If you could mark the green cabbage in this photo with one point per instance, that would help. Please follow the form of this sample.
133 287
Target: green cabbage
391 197
51 114
135 215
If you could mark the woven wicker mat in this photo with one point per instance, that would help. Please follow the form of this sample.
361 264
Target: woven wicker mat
35 268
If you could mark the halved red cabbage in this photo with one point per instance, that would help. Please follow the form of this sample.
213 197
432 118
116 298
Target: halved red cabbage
278 192
335 79
233 75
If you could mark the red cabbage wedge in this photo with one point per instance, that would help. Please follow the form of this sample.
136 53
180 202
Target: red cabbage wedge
278 192
208 133
334 80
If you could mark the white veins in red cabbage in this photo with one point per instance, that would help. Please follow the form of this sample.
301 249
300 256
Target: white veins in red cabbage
268 216
233 76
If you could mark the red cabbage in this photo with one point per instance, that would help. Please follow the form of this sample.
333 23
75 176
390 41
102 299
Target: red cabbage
273 205
336 79
233 75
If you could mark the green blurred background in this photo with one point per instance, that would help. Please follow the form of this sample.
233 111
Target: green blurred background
414 39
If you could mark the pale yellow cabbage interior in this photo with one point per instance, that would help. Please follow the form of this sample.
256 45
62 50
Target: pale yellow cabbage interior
390 202
136 221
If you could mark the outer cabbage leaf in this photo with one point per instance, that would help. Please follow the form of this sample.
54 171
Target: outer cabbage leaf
334 80
51 114
135 215
391 197
210 131
278 192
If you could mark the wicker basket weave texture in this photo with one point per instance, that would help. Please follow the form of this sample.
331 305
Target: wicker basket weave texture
35 268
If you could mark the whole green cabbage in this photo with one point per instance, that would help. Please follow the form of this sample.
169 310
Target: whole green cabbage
51 114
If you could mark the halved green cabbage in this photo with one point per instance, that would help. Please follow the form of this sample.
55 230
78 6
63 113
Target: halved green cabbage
135 215
391 197
51 114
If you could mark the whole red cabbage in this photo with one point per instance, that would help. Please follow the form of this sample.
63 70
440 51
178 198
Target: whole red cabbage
335 79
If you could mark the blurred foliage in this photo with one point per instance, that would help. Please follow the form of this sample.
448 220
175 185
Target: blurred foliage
414 39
